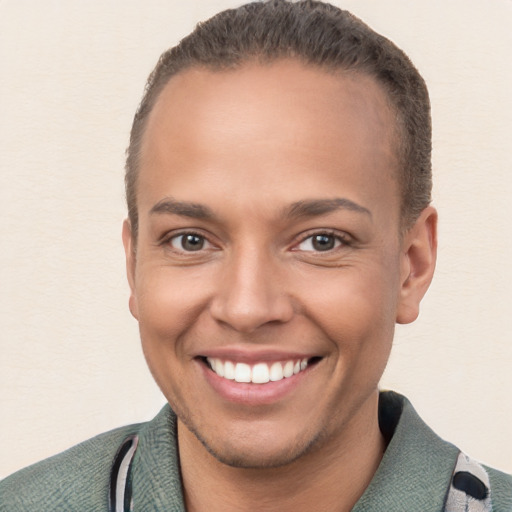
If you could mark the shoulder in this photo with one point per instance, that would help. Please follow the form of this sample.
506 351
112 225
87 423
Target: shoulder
501 490
499 483
76 479
418 466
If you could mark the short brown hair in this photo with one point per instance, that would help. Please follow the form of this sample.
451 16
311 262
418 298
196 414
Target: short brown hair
318 34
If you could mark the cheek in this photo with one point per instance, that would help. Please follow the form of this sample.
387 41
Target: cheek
168 310
355 307
168 305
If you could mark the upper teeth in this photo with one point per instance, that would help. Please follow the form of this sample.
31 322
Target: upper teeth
259 373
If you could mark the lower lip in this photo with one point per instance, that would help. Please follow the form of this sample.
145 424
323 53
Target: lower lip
252 394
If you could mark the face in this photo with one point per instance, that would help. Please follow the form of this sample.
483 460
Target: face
268 271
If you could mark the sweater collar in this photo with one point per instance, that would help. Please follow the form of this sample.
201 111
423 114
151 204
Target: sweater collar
156 479
416 468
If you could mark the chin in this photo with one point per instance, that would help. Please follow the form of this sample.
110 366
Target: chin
238 457
257 452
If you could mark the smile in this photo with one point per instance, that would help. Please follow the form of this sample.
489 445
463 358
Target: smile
259 373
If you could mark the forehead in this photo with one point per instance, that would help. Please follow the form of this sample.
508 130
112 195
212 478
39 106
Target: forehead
269 122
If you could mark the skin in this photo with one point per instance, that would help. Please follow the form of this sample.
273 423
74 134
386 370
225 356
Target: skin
274 155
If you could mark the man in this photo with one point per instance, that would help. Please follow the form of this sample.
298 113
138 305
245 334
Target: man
278 185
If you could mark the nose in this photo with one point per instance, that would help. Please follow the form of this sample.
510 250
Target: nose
252 293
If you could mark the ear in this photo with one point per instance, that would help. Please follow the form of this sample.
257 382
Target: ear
419 253
129 250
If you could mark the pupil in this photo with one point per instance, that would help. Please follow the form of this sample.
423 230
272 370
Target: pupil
192 242
323 242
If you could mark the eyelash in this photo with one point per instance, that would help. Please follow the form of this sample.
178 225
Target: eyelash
340 240
167 240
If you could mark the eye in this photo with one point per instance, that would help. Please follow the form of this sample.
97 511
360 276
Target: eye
320 242
189 242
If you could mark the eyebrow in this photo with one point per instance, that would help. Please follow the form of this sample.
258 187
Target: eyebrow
317 207
182 208
305 208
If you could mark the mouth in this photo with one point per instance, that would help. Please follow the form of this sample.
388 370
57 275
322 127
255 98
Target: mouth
259 372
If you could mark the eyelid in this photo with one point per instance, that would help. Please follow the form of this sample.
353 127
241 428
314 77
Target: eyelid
169 236
344 238
341 236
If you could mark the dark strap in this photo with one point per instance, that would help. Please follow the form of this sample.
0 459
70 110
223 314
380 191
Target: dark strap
120 493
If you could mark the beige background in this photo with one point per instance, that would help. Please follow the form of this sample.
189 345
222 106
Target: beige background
71 75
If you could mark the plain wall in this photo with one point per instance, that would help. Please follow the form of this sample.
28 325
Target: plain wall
71 76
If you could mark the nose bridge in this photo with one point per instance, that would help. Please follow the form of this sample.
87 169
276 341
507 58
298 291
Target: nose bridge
252 291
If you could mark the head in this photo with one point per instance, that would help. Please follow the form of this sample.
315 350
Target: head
317 34
272 242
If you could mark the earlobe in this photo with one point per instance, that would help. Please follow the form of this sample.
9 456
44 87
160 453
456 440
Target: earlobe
129 250
419 252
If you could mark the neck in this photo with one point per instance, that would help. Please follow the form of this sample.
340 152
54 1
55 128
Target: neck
332 476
